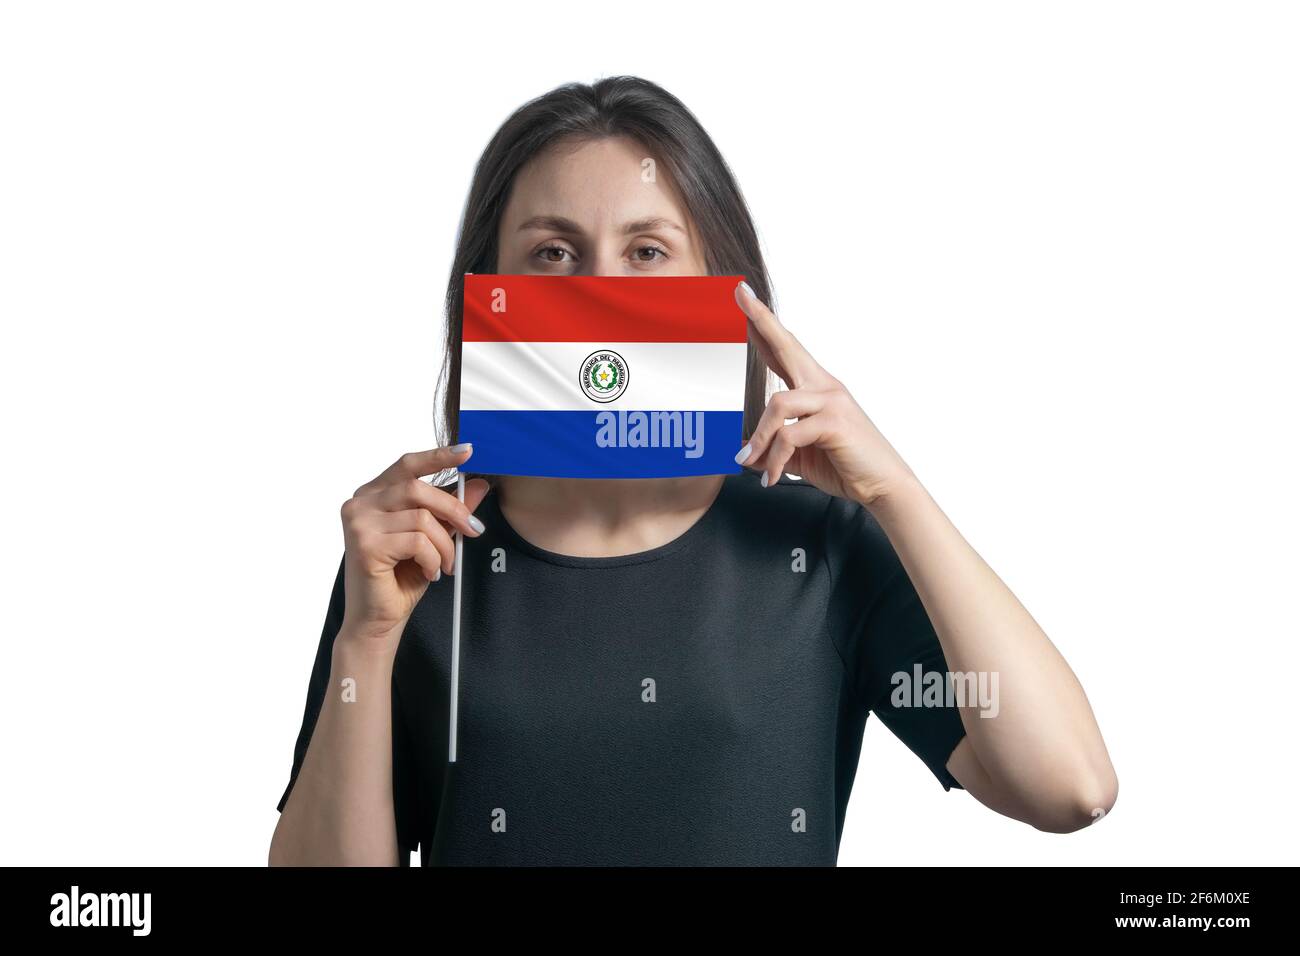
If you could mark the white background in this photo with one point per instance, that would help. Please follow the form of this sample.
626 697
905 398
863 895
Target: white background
1052 249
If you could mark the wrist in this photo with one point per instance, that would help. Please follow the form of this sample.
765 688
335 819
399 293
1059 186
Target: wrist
888 499
366 647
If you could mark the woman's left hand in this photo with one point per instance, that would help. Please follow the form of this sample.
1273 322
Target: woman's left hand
833 444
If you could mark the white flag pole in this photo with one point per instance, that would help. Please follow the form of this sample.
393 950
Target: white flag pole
455 625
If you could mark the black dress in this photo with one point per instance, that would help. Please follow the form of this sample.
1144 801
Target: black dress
702 702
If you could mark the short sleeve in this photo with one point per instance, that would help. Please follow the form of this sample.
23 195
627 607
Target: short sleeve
403 802
887 641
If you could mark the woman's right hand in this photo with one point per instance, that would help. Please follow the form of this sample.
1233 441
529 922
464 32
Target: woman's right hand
397 533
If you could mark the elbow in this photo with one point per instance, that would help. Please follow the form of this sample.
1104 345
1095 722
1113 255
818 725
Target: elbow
1083 803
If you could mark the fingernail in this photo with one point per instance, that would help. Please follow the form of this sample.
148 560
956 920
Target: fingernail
742 456
476 524
745 285
763 481
463 446
437 573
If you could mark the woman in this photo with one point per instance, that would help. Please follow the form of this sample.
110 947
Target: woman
667 671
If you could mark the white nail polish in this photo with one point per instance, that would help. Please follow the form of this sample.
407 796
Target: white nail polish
463 446
742 456
745 285
437 573
763 481
476 524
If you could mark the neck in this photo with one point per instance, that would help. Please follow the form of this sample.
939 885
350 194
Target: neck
604 518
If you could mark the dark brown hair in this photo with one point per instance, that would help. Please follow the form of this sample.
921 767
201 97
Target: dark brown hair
616 106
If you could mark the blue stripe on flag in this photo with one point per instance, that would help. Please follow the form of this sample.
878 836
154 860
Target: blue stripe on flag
564 444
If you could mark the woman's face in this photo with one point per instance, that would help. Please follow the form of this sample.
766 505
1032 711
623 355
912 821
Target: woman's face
596 208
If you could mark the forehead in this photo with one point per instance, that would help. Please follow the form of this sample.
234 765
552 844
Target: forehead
594 182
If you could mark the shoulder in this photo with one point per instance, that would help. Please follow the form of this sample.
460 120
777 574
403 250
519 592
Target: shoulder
843 531
836 526
793 501
789 500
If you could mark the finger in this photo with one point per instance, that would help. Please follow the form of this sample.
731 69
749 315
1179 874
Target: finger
789 359
789 439
476 490
415 546
780 407
417 464
423 521
415 493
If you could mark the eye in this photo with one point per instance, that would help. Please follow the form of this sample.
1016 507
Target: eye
552 254
649 253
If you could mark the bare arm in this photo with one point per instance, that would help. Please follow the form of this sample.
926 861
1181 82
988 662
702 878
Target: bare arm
340 810
397 532
1041 758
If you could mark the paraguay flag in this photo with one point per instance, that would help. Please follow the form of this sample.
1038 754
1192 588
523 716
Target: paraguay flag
602 376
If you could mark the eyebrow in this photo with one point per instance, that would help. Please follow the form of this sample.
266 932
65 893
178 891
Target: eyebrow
561 224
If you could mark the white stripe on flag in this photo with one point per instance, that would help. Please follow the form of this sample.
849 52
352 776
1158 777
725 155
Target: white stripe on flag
544 376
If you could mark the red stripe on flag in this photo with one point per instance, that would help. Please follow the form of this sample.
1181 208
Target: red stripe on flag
602 309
